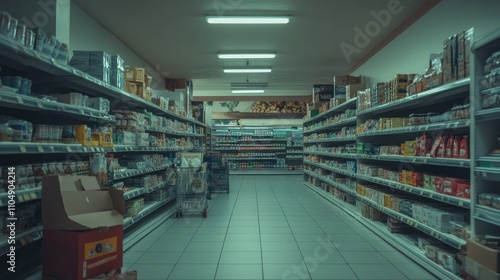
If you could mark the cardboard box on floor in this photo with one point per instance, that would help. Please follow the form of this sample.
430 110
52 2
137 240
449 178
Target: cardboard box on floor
475 271
485 256
83 232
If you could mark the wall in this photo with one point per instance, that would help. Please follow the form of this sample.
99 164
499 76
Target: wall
40 13
409 52
89 35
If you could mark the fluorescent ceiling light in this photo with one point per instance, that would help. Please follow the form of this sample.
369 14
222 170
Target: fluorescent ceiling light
248 85
247 91
247 56
247 20
248 70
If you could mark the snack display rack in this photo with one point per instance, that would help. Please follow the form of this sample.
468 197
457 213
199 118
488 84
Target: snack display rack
50 75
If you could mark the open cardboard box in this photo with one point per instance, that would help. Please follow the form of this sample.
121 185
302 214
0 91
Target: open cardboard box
78 203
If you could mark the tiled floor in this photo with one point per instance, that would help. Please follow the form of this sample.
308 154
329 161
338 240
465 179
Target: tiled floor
268 227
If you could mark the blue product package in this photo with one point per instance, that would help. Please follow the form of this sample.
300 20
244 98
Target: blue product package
117 63
100 58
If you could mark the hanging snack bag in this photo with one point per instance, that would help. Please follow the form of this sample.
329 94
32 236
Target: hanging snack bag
435 146
449 147
455 153
464 147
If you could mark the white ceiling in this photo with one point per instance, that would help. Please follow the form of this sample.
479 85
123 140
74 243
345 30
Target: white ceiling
175 35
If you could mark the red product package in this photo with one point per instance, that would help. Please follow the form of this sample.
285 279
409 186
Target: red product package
418 146
417 179
438 184
450 186
455 153
463 189
425 145
449 147
435 146
464 147
441 151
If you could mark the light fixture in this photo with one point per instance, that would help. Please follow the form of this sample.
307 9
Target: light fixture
248 20
248 85
247 91
247 70
247 56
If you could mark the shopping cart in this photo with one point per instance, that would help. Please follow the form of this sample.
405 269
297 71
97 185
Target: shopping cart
219 174
191 191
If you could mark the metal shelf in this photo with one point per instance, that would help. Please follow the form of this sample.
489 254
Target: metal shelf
398 241
328 154
28 103
487 214
335 184
34 234
171 132
488 114
262 158
341 108
330 168
8 148
327 140
421 99
16 55
491 174
460 124
456 201
136 172
249 149
446 238
140 191
129 221
21 196
462 163
332 125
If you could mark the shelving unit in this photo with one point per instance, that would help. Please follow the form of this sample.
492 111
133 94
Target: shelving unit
262 150
485 220
323 155
53 76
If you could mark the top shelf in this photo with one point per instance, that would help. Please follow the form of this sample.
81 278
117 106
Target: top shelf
22 58
421 99
338 109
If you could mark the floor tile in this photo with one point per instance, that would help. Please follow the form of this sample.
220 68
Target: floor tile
200 258
238 246
208 237
204 230
307 229
356 246
310 246
182 230
272 218
278 223
186 271
382 246
279 246
278 237
414 272
324 256
240 258
131 257
330 271
239 271
309 236
242 237
377 272
159 258
284 271
204 247
274 230
245 218
282 257
364 258
244 223
167 237
233 229
346 237
152 271
162 246
304 218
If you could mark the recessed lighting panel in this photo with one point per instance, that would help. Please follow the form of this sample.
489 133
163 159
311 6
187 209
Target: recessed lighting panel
247 20
247 56
248 70
247 91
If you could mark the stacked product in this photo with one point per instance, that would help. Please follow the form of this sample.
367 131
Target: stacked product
349 113
370 213
95 63
344 132
341 85
35 39
451 260
117 73
21 84
490 82
138 82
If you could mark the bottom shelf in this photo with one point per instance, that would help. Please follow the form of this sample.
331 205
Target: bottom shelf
400 242
148 209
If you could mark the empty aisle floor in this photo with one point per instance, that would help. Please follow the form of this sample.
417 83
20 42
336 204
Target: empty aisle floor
268 227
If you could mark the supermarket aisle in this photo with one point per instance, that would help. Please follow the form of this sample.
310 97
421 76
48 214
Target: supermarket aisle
268 227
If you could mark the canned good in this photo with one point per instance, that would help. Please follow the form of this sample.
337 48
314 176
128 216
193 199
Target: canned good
29 40
11 30
4 23
21 33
